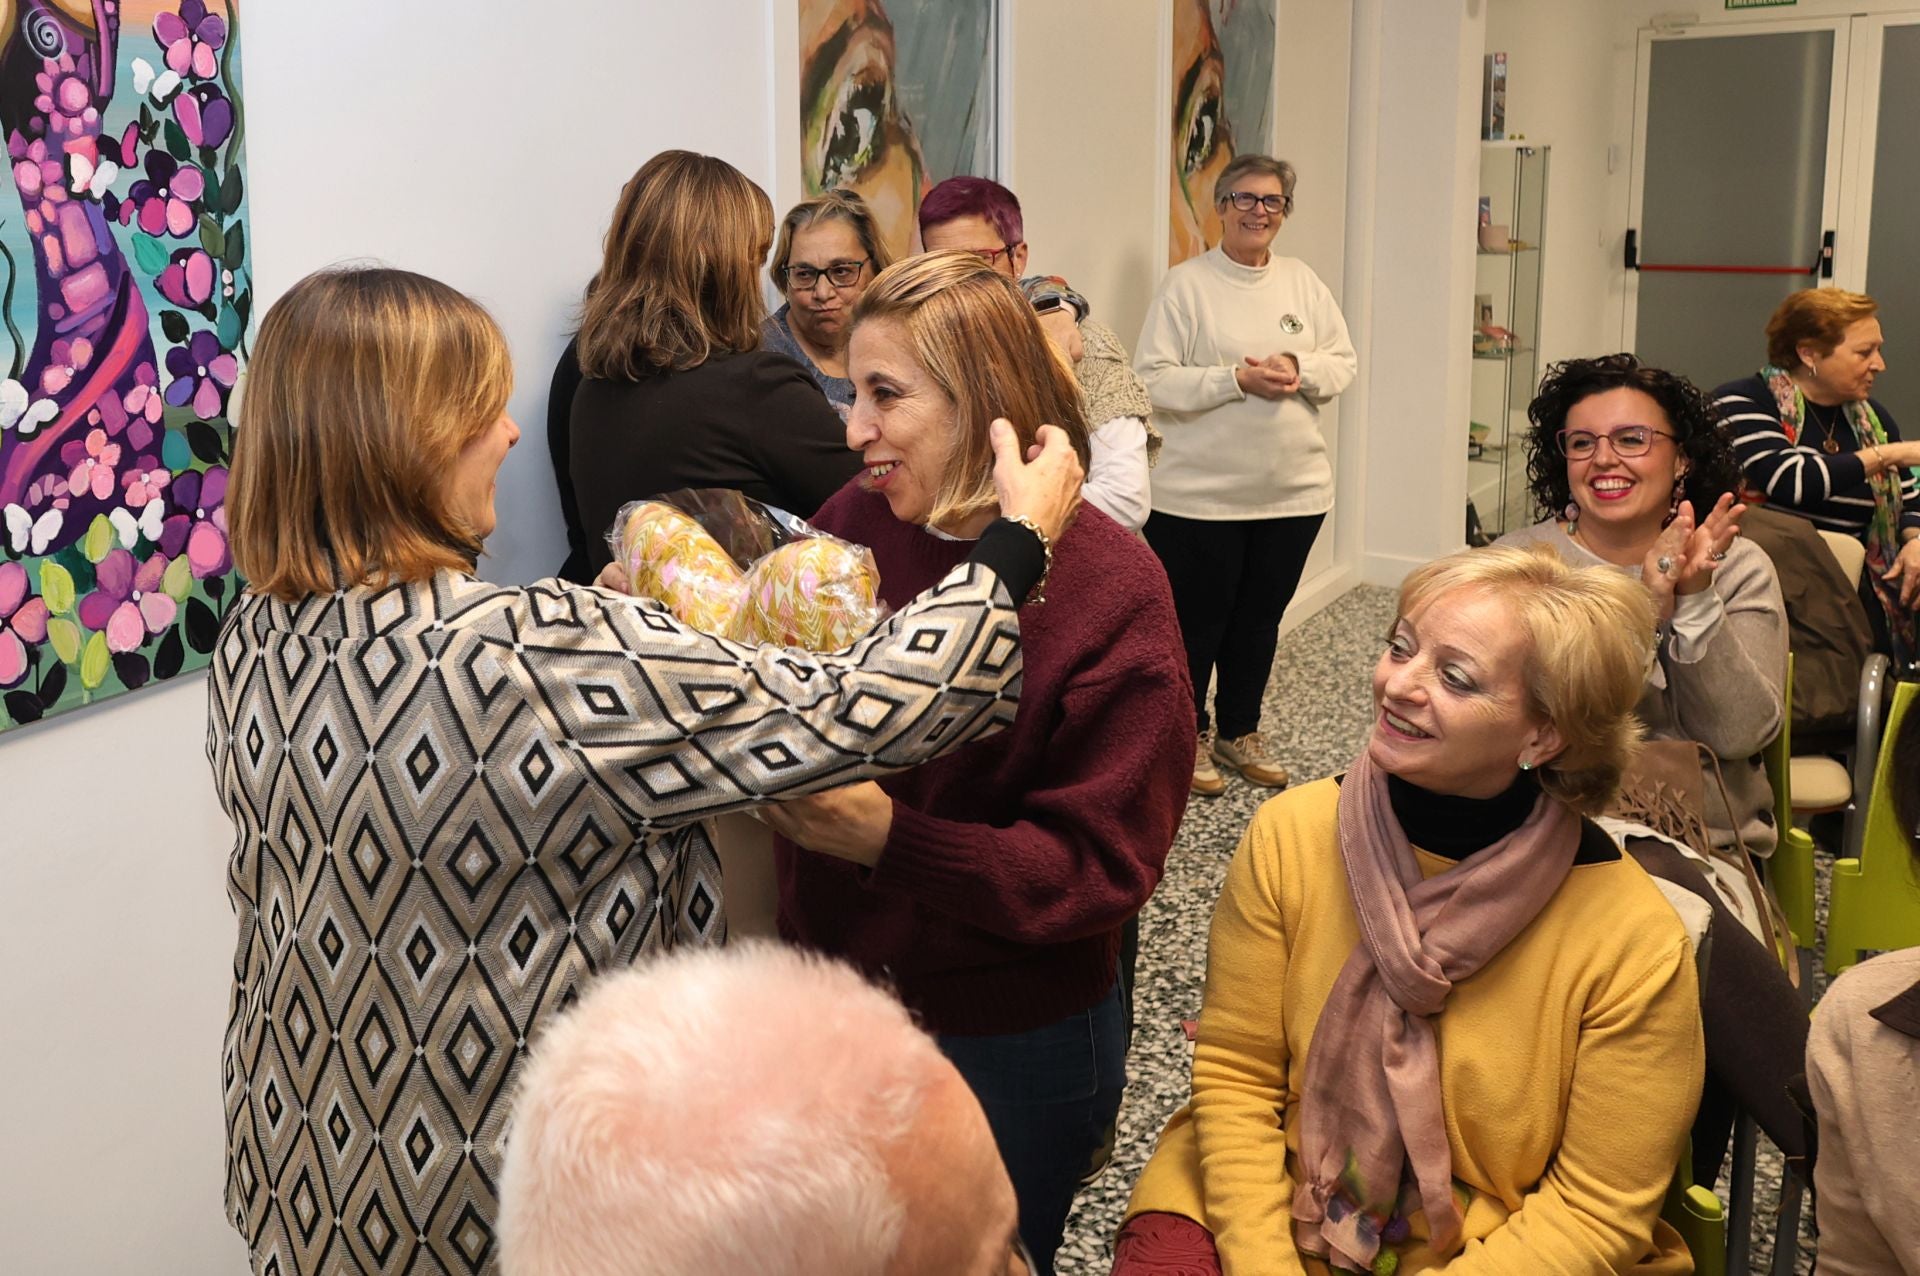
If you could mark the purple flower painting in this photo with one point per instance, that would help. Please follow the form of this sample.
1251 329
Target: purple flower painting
126 292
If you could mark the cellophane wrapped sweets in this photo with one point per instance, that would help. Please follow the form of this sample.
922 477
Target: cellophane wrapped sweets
799 587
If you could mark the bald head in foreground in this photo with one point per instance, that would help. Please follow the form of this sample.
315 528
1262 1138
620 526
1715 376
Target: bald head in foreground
750 1109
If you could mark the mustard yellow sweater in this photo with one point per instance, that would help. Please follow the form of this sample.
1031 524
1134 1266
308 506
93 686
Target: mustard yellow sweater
1570 1067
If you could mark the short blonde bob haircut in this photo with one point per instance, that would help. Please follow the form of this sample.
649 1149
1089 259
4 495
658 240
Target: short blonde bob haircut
1590 639
845 206
679 277
975 333
1817 317
364 386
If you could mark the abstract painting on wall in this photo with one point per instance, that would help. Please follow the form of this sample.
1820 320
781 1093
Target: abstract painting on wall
125 290
1223 68
895 97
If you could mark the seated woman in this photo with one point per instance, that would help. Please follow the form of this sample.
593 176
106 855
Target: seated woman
1626 454
1447 1024
1813 441
992 890
829 250
1863 1067
454 802
677 391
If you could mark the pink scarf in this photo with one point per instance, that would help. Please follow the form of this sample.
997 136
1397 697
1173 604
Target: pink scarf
1371 1115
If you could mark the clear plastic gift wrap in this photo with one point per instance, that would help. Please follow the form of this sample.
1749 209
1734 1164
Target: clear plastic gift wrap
798 587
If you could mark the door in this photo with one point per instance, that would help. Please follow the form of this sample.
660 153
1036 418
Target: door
1738 148
1880 179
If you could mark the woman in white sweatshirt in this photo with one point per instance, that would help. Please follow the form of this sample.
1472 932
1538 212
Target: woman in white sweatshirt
1240 350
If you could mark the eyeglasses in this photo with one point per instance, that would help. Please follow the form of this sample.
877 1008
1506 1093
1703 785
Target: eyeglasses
991 255
841 274
1245 201
1626 440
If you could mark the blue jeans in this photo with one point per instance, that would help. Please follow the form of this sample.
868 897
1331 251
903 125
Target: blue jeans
1050 1095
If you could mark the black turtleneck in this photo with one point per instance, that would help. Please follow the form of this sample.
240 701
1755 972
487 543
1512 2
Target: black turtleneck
1454 827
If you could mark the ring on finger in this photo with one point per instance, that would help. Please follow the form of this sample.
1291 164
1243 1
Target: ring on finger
1719 555
1664 564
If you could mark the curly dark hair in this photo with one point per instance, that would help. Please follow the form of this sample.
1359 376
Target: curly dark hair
1711 469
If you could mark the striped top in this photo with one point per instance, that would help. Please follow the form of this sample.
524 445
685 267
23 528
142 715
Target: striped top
1829 489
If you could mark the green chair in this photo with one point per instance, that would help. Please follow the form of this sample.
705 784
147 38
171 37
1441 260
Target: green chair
1790 871
1694 1211
1875 902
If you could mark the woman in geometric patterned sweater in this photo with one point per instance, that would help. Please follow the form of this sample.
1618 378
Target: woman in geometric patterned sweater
454 802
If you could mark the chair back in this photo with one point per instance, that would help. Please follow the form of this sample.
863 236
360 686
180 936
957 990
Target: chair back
1790 871
1875 900
1849 551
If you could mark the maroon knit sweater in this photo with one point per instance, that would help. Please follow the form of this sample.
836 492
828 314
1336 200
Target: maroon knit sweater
997 904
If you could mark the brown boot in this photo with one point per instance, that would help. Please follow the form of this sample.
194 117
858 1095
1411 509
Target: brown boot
1206 777
1253 758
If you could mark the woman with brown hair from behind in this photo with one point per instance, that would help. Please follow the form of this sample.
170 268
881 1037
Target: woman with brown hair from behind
674 389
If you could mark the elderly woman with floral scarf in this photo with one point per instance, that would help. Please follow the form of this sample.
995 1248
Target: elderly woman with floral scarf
1813 442
1446 1023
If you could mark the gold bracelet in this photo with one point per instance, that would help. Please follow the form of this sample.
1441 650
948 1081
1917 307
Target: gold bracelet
1039 594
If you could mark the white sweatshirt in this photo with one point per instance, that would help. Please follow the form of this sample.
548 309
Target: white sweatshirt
1230 455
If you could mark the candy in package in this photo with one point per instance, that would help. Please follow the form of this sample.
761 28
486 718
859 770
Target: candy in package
800 587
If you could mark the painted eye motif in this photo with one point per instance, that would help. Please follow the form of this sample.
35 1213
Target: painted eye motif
855 129
1202 133
44 35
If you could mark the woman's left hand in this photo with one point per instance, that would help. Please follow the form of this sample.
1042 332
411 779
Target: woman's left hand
851 823
1905 572
1691 552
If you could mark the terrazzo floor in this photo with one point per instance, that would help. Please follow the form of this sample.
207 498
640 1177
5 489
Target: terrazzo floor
1318 710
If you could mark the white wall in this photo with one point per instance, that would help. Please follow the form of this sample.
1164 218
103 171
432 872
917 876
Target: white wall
1414 189
464 140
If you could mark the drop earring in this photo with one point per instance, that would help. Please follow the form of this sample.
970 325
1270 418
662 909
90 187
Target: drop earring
1572 515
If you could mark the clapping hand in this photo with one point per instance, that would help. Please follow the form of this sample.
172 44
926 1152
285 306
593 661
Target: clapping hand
1683 559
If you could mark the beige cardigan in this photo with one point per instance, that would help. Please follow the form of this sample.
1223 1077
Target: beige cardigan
1863 1066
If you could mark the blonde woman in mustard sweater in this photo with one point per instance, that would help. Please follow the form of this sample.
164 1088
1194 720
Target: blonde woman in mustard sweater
1448 1026
1241 350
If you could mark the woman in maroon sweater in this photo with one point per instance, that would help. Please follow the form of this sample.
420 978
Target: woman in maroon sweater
991 887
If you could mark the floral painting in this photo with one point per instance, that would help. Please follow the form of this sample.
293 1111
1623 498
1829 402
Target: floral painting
895 96
125 291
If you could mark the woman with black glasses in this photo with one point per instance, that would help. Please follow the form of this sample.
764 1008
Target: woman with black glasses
1241 349
678 390
1635 472
829 250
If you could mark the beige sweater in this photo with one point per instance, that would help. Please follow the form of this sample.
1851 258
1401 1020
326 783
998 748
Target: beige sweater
1230 455
1865 1076
1720 679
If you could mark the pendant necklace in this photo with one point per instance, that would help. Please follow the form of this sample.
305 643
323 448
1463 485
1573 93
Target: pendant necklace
1831 444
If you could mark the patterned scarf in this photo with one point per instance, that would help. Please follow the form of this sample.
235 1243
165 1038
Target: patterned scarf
1373 1133
1883 530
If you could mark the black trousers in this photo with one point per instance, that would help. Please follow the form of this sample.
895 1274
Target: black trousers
1232 581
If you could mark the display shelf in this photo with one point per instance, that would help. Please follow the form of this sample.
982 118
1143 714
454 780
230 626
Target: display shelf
1513 185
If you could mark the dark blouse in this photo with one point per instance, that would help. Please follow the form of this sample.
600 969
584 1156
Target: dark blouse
1829 489
754 422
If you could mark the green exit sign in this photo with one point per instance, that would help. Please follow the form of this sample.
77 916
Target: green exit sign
1760 4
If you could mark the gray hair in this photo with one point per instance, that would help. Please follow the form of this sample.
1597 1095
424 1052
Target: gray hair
1241 165
720 1110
